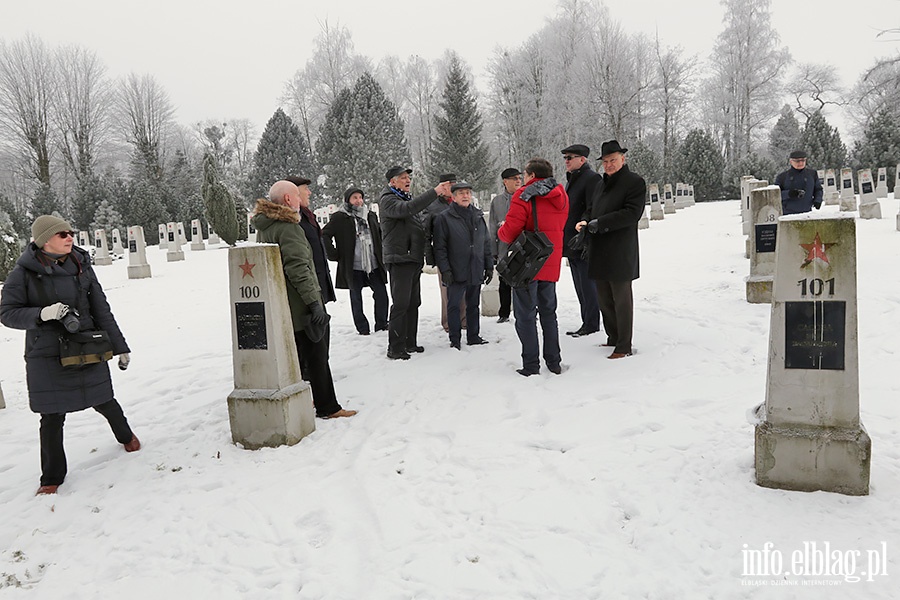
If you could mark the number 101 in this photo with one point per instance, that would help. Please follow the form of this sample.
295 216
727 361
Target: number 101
815 287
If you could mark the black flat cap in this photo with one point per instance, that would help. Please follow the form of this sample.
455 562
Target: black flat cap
461 185
577 149
396 170
510 172
798 154
298 181
447 177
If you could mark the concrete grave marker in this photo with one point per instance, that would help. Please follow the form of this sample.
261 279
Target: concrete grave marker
270 405
182 238
83 239
848 198
749 186
881 189
745 203
213 236
251 231
809 436
897 182
644 221
690 194
490 298
656 210
869 207
101 251
137 254
197 236
163 245
2 401
831 194
668 200
679 196
174 252
117 248
765 207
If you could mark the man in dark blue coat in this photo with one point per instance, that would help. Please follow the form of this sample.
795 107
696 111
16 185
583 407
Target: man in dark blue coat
581 181
462 252
801 189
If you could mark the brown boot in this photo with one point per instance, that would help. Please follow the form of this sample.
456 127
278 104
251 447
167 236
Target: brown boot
46 489
134 445
341 413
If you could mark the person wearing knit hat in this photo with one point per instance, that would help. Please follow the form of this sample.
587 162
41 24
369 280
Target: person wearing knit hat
54 294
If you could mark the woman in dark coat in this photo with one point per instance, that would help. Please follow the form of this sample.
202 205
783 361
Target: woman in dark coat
353 239
53 281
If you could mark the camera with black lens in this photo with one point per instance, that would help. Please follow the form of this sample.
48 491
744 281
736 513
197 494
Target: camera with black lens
71 321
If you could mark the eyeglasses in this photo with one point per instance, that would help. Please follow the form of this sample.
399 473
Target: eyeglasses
570 156
66 234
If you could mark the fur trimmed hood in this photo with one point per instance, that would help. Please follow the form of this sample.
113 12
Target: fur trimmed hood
276 212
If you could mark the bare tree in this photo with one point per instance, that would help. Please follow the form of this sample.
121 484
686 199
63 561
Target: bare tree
815 86
27 87
146 116
82 107
674 72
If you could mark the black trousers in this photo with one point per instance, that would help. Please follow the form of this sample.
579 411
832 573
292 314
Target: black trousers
53 455
406 296
469 296
505 298
315 369
617 310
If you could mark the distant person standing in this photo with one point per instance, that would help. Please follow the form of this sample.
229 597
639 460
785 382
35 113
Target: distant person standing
512 180
462 252
581 181
53 293
439 205
800 186
353 238
613 256
403 245
539 296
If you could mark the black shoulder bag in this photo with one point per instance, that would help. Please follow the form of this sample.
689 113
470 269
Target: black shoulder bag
526 256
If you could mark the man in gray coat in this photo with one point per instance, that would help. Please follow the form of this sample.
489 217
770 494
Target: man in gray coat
512 180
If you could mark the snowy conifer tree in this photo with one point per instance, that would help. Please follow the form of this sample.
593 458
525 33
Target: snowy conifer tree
220 206
107 218
822 143
699 162
458 146
10 246
785 136
880 146
281 152
146 207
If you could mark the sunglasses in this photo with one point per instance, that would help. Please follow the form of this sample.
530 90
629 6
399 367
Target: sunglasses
66 234
569 156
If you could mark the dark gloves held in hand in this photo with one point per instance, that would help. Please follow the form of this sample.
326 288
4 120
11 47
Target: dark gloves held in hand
593 226
796 193
318 316
488 276
447 278
577 242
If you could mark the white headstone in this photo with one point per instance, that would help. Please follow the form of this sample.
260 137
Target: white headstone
691 201
197 236
117 248
644 221
765 208
809 436
831 194
83 239
679 196
881 188
137 254
163 235
748 186
668 200
174 252
848 197
101 252
2 400
656 210
897 182
182 238
745 203
251 231
270 405
490 297
869 207
213 236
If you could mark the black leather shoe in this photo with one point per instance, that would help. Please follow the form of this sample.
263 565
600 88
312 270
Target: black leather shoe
455 345
503 320
397 355
477 341
555 369
415 349
526 372
582 331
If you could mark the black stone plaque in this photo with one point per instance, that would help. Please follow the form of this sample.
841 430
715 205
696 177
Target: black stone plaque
132 246
814 334
848 184
830 182
668 195
881 177
765 237
171 236
251 325
679 192
654 198
867 187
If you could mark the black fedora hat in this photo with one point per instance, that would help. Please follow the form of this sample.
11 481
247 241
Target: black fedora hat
611 147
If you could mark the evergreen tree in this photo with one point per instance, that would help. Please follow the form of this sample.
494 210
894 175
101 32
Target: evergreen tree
145 207
107 218
699 162
785 136
281 152
880 146
89 194
44 201
20 221
643 161
10 245
458 145
362 137
761 167
822 143
220 206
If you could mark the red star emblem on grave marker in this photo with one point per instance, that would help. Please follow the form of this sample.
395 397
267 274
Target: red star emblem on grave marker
815 250
247 268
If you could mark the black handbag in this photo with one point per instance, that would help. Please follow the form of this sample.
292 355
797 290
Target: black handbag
526 256
84 348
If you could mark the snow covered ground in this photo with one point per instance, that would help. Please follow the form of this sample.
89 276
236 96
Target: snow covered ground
458 478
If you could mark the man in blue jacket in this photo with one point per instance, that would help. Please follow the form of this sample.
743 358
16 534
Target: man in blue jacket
800 187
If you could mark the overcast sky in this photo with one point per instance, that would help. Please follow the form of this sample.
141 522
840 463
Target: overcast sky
230 59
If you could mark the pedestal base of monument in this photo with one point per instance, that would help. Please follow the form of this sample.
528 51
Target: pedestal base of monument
657 214
490 298
644 222
2 401
270 418
748 247
103 261
832 199
848 204
809 459
898 221
198 246
174 256
138 271
759 289
870 210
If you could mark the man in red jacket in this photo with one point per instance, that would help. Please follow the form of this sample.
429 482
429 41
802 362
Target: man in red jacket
539 297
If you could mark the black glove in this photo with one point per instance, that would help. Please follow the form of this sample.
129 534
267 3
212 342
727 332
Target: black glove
593 225
488 276
447 278
318 316
577 243
796 193
818 205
